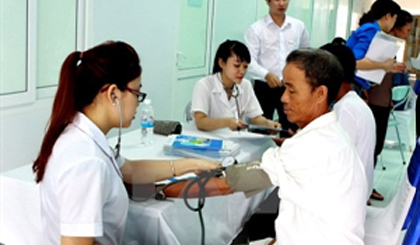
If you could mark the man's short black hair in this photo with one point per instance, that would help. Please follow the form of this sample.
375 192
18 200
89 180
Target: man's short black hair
346 58
320 67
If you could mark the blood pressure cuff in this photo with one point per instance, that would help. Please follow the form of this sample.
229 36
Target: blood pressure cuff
167 127
248 178
140 192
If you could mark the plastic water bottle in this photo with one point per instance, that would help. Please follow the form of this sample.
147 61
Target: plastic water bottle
147 122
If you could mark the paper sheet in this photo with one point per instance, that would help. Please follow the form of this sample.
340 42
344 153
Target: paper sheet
382 48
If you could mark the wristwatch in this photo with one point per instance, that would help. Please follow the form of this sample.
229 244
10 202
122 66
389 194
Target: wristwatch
227 161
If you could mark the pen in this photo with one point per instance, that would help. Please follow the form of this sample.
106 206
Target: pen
237 121
237 112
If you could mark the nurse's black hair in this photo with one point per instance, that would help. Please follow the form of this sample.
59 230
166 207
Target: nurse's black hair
82 76
229 48
320 67
379 9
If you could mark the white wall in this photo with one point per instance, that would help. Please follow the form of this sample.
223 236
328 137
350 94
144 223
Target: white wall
412 6
21 132
149 26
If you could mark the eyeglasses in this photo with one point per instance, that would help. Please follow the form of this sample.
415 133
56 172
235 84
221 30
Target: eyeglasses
140 96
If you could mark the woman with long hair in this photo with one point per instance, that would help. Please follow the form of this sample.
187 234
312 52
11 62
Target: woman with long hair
83 198
225 98
381 17
380 96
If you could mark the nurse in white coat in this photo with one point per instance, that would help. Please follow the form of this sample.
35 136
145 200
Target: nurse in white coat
83 198
225 98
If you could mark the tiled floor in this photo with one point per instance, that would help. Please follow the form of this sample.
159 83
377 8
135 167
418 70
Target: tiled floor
387 181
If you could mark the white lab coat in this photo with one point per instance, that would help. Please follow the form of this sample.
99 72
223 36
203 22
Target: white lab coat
82 193
358 122
210 98
322 186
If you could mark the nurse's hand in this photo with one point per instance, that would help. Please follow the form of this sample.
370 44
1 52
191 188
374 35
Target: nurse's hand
399 67
235 125
388 65
202 165
272 124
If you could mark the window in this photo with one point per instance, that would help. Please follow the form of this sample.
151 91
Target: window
17 51
56 38
193 43
35 38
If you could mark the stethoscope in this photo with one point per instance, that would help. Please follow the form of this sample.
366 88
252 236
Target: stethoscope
235 95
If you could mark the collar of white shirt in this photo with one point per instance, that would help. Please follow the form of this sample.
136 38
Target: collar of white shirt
82 122
218 85
320 122
270 21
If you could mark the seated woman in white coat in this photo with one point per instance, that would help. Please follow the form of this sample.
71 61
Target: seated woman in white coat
83 198
225 98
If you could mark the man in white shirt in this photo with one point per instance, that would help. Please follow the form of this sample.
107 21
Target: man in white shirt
270 40
321 179
353 113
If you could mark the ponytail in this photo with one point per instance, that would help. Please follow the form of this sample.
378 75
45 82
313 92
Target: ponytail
366 18
63 112
81 78
379 9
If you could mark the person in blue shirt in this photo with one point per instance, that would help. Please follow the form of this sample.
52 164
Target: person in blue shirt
380 96
381 17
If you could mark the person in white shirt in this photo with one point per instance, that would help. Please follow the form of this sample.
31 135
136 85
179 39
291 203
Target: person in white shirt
225 98
83 199
353 113
270 40
321 179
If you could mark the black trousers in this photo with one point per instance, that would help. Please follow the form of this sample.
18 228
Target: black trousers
262 223
381 115
270 100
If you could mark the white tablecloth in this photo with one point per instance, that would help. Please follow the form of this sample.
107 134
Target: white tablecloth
170 221
149 222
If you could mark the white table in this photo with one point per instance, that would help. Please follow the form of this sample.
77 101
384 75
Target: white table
149 222
170 221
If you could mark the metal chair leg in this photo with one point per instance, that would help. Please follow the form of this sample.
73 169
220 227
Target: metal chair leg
399 143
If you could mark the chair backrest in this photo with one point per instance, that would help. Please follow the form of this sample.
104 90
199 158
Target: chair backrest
187 112
383 225
400 94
